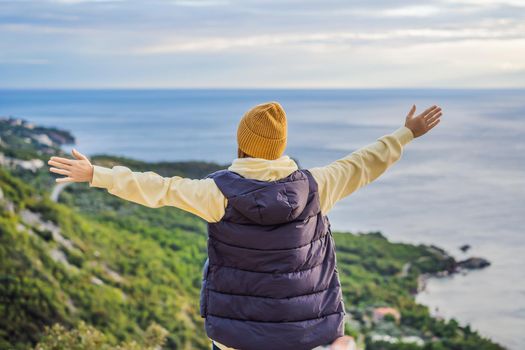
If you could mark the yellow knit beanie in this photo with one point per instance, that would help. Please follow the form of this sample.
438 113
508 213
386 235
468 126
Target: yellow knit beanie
262 131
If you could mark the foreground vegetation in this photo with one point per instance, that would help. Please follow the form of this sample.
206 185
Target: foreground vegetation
96 272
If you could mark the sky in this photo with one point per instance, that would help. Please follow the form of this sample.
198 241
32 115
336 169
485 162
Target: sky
262 44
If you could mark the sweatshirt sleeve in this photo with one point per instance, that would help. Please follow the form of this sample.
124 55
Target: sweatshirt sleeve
201 197
346 175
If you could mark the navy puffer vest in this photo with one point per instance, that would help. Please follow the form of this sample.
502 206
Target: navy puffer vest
270 280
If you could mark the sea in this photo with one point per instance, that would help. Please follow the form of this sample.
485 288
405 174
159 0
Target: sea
461 183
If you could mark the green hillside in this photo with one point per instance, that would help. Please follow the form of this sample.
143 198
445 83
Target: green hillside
121 267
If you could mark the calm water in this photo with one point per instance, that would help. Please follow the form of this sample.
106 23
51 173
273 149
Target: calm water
464 182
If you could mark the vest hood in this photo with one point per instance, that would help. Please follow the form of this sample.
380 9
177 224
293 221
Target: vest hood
264 169
275 202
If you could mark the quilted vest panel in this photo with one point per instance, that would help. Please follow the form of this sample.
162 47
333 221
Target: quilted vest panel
271 280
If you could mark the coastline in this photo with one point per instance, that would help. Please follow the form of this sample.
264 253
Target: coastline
377 259
455 297
461 267
450 296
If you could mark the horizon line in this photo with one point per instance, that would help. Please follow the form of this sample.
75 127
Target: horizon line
260 88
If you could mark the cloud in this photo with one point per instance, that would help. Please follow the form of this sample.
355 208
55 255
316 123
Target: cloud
275 42
335 39
23 61
405 11
189 3
511 66
202 3
84 1
489 3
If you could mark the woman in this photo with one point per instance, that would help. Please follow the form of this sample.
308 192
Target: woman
270 280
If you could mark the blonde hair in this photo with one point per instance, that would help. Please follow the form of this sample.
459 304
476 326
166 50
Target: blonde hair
241 154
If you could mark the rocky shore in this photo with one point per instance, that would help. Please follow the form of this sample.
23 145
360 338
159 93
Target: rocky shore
456 266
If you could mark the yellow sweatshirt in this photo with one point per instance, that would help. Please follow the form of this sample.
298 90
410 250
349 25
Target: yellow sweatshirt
203 198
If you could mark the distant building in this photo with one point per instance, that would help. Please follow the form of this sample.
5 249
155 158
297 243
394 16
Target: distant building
383 338
413 340
380 313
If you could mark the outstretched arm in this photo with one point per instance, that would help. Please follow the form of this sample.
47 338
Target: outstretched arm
198 196
346 175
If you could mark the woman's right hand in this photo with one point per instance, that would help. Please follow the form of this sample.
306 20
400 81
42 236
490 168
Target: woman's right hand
425 121
76 170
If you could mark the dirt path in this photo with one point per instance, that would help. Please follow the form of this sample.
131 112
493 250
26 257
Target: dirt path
57 189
